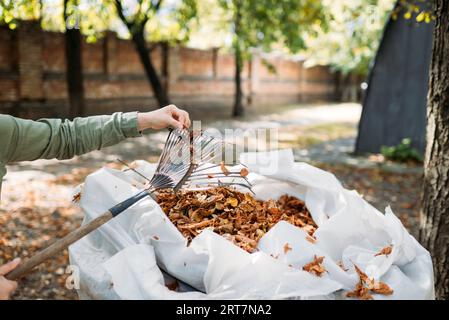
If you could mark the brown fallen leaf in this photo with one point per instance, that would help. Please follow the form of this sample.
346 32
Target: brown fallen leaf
380 287
310 239
77 197
244 172
173 286
385 251
224 169
238 217
232 201
316 267
287 248
360 292
365 286
363 276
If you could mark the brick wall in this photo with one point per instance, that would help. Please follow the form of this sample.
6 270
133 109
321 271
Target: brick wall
32 76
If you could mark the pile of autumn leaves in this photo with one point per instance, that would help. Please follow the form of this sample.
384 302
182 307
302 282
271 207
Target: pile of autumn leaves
237 216
243 220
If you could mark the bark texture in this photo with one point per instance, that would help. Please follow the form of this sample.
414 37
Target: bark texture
238 104
434 229
74 68
152 76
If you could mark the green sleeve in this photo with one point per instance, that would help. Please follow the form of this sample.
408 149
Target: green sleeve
22 140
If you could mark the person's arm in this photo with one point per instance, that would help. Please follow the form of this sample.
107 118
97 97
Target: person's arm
22 140
7 287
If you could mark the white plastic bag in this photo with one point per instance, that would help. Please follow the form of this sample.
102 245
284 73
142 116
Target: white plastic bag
119 259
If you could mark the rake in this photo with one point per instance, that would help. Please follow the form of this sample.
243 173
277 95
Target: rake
186 162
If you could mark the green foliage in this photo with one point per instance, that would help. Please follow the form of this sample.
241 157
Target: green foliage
418 10
354 30
403 152
164 20
351 37
12 11
268 24
168 21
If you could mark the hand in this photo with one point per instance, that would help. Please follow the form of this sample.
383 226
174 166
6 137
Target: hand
7 287
169 116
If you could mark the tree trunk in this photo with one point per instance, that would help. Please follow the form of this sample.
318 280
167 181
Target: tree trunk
238 106
158 90
434 229
74 69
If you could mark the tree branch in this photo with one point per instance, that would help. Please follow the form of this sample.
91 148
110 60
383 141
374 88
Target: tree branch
157 5
121 14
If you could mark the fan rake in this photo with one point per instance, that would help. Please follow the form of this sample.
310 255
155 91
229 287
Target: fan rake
188 160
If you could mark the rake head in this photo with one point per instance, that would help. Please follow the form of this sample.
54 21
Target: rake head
189 161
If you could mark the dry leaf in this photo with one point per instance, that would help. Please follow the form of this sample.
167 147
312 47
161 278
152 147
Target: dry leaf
316 267
232 201
385 251
237 216
77 197
287 248
244 172
223 168
310 239
360 292
173 286
382 288
365 286
363 276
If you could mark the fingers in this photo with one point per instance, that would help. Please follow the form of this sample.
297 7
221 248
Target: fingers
175 123
6 288
180 115
6 268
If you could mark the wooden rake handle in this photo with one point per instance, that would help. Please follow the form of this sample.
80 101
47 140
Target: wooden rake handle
73 236
58 246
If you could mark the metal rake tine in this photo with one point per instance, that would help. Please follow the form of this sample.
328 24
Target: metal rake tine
132 169
219 183
202 169
216 176
211 180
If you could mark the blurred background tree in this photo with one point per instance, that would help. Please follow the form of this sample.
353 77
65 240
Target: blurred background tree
267 25
350 42
154 21
342 34
160 21
74 66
